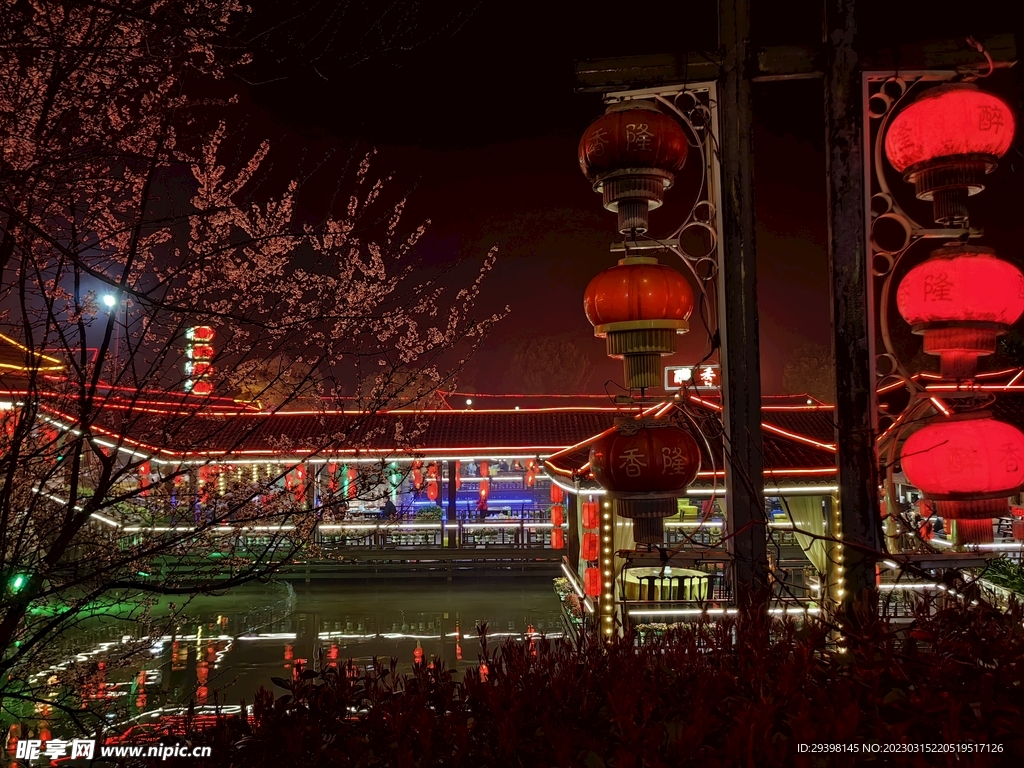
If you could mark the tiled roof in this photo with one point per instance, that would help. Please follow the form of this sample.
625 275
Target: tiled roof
289 433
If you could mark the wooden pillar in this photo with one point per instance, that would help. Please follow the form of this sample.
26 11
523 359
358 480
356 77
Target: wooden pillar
858 518
738 321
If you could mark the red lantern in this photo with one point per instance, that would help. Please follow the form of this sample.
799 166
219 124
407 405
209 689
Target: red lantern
557 538
352 473
144 473
485 489
639 307
202 388
945 142
591 511
592 582
644 466
458 475
967 465
531 477
417 479
631 155
590 546
557 515
557 494
200 333
960 300
432 492
485 469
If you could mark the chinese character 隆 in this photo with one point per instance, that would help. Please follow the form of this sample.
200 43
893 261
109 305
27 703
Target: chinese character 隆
938 288
638 137
672 461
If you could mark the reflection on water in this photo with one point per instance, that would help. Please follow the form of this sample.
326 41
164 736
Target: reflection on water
235 643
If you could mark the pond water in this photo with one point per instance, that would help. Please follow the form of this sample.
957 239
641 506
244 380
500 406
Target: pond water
232 644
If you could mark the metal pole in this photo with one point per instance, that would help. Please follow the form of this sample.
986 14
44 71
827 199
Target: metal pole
852 323
738 322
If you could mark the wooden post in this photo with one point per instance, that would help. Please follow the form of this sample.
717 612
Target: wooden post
738 321
858 518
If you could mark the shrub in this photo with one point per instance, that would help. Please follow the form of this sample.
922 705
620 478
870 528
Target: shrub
731 693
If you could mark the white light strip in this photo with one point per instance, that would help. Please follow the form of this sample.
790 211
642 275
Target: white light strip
715 611
911 586
572 580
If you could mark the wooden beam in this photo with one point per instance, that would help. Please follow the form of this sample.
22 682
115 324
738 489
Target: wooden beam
785 62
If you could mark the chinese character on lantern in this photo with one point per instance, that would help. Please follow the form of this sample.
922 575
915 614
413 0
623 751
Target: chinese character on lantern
674 461
639 136
632 462
938 288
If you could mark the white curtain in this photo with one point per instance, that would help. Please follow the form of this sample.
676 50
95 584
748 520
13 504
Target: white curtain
808 514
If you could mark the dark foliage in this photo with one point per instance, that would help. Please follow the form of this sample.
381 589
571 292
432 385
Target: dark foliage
724 694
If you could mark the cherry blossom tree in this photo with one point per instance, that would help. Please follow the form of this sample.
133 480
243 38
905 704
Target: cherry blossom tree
134 207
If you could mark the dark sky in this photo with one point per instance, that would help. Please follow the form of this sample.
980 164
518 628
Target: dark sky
479 119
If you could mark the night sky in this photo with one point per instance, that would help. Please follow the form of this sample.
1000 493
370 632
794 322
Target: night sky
478 121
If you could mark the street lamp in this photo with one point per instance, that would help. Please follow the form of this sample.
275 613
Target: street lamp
109 300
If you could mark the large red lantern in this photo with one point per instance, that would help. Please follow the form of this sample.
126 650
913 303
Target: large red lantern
432 492
960 300
485 469
590 514
557 515
945 142
592 582
557 538
967 465
590 546
645 466
639 306
631 155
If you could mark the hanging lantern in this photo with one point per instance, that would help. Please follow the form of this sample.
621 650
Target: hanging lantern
531 478
557 494
458 475
639 307
144 472
945 142
557 538
557 515
631 155
417 479
590 514
590 546
592 582
967 465
485 469
485 489
645 466
961 299
1017 514
432 492
351 474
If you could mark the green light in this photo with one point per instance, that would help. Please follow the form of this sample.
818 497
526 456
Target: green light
18 582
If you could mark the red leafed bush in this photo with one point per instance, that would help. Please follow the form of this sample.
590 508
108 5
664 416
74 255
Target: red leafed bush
732 693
